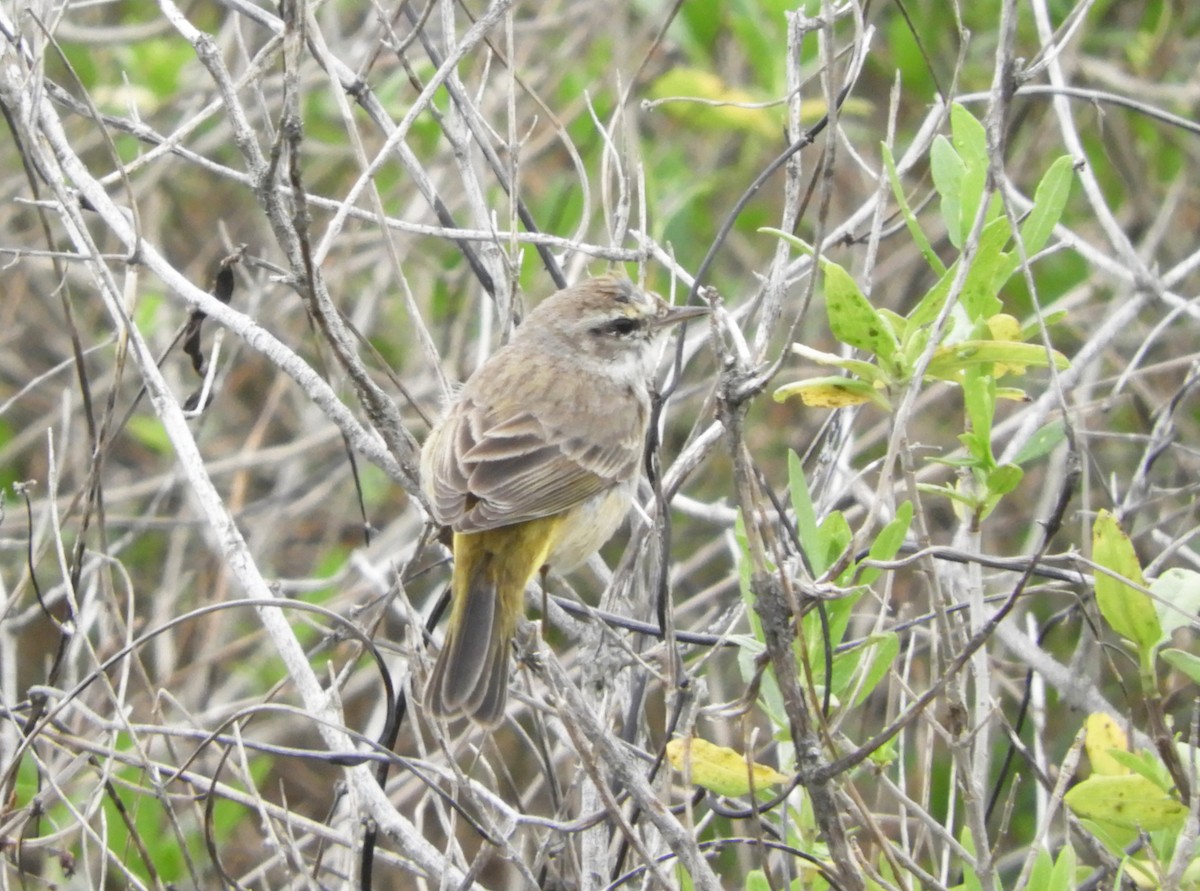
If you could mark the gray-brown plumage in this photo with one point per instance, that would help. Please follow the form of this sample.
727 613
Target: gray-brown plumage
535 463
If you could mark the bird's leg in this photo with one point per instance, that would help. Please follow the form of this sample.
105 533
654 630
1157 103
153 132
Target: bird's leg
542 576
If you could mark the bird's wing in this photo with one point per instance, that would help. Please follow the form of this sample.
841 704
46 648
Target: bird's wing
489 468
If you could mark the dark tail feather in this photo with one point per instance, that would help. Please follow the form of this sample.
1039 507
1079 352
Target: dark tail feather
470 677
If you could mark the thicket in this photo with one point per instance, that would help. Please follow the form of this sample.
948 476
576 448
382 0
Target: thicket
910 600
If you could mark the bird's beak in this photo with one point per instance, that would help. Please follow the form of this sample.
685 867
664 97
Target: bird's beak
675 314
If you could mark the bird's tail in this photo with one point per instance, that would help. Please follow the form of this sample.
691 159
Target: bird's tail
491 570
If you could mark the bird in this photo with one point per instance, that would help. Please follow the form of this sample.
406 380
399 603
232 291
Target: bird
534 465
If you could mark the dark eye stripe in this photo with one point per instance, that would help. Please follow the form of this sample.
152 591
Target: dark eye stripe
619 326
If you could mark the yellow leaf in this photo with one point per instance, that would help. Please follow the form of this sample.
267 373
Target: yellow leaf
832 392
1004 327
719 769
1104 735
721 107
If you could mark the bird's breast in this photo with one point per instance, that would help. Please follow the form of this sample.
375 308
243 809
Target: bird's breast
590 524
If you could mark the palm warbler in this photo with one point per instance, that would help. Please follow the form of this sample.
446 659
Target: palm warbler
535 464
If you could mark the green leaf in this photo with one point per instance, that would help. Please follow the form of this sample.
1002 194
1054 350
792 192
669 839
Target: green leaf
1033 329
979 453
852 318
1146 765
798 243
148 311
806 514
948 171
1039 876
946 491
949 360
970 879
1043 442
149 432
888 542
895 321
979 399
1063 877
910 219
1129 802
930 306
1049 201
972 461
970 141
865 370
1051 875
838 613
1004 479
1129 611
10 471
835 536
872 661
982 284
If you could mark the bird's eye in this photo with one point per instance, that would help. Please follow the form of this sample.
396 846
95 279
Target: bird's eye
621 326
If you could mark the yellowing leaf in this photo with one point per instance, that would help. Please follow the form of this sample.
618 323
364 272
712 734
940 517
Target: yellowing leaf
832 392
852 318
719 769
1002 326
1103 735
723 107
1131 802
